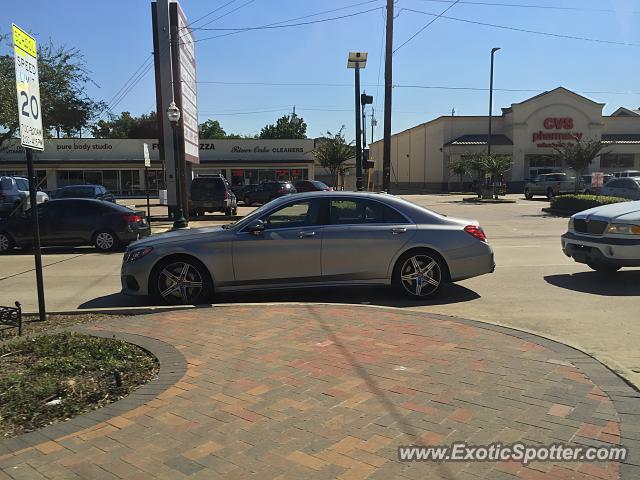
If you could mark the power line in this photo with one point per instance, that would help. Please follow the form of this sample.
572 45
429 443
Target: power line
427 25
210 13
267 27
544 7
223 15
524 30
430 87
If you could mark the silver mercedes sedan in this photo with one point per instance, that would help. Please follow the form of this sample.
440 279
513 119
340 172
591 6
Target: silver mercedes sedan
314 239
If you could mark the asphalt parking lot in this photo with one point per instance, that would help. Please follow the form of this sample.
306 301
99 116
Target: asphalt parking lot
534 288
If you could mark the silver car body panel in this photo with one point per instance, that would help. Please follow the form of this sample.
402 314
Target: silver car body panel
322 255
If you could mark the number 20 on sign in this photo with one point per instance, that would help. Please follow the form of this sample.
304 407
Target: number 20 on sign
28 89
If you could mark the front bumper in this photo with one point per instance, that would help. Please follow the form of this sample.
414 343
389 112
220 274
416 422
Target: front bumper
614 251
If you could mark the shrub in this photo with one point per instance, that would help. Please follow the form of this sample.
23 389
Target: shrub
578 203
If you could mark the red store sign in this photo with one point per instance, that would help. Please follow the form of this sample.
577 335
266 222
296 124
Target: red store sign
554 124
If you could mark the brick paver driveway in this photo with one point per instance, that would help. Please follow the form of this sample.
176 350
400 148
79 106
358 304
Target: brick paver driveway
319 391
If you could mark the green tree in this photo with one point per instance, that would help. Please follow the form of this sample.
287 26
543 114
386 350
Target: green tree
579 155
332 151
127 126
496 165
65 106
460 167
211 129
287 126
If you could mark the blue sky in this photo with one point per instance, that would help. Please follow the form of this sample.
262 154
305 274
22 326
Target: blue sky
115 38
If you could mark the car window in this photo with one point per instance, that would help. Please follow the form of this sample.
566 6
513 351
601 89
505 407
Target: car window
22 184
344 212
614 184
6 184
376 212
297 214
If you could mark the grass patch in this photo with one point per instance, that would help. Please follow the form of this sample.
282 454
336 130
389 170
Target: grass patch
578 203
54 377
32 326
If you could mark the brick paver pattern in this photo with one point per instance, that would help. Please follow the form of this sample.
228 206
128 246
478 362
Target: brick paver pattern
325 392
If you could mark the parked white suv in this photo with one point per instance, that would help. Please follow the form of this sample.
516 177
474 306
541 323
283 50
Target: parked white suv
605 238
23 186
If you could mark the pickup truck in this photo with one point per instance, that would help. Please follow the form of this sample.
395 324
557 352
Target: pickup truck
606 238
550 185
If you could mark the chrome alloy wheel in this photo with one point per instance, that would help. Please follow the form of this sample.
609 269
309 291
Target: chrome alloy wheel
105 241
421 275
180 282
5 243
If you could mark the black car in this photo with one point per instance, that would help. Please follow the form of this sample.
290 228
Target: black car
240 190
311 186
211 194
75 222
267 191
84 191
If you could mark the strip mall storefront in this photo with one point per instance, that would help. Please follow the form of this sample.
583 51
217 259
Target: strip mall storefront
119 164
420 156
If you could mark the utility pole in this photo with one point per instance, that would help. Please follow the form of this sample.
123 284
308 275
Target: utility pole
358 146
388 65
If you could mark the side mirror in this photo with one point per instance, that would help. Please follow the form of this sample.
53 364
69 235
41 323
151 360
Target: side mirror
256 228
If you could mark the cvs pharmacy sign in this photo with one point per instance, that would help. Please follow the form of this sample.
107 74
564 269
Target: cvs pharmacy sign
553 123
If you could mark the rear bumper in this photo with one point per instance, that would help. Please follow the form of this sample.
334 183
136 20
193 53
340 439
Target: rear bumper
471 261
619 252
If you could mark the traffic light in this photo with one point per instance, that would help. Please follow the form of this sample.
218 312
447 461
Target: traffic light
366 99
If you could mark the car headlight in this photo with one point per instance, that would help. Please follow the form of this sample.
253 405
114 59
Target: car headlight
570 226
624 229
138 253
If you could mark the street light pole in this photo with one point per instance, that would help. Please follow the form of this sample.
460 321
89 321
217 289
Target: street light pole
173 113
493 51
358 141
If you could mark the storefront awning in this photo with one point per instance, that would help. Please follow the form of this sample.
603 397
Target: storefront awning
480 139
625 138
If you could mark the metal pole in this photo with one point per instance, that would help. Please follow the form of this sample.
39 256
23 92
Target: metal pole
146 184
388 65
364 128
493 51
36 235
358 142
180 221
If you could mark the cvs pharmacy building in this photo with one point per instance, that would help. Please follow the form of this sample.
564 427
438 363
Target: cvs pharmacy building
528 131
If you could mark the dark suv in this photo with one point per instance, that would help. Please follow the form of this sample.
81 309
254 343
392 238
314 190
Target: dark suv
267 191
211 194
311 186
97 192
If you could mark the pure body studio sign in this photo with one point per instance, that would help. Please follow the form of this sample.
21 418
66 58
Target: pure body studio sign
555 130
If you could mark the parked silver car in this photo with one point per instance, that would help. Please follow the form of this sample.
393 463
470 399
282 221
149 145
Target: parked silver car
311 239
606 238
550 185
625 187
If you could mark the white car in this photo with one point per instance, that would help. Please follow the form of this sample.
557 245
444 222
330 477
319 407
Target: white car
606 238
23 186
626 187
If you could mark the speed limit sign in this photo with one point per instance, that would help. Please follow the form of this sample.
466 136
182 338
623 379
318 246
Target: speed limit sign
28 89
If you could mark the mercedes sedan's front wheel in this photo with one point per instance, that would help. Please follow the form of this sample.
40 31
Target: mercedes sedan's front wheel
181 280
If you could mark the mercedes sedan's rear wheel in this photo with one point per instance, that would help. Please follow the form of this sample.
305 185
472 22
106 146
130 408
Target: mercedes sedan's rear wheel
181 281
420 274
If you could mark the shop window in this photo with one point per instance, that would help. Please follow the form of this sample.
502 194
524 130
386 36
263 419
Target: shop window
282 174
110 180
237 178
93 177
130 182
267 175
617 160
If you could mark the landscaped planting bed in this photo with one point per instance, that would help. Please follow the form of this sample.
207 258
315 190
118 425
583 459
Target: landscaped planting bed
53 377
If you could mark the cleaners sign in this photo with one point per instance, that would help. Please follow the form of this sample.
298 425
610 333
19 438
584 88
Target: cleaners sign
28 89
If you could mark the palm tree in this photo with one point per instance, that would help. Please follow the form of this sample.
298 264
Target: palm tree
496 166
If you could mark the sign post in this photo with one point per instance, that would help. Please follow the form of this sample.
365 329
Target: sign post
31 135
147 164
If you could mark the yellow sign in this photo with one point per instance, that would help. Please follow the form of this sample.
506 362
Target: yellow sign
24 41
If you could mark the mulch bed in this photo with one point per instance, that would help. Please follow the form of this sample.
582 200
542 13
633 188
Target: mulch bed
53 377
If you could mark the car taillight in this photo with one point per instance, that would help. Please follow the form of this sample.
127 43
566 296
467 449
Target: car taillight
282 190
226 195
476 232
132 218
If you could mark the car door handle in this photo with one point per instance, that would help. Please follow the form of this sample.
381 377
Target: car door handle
306 234
399 230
